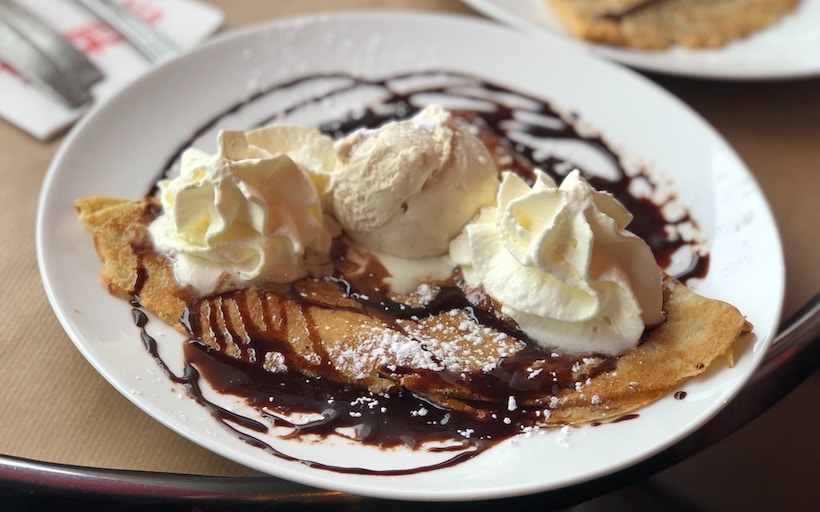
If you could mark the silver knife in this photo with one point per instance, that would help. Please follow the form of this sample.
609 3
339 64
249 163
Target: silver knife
142 36
43 57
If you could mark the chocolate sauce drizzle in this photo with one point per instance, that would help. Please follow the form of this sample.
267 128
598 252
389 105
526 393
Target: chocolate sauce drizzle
390 420
394 419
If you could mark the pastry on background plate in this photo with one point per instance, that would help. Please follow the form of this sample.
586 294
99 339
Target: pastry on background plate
657 24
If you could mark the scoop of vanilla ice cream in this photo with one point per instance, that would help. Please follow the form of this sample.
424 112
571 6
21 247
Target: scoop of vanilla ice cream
562 265
408 188
246 214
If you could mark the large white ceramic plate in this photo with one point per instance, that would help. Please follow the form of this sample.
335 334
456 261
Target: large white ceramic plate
121 146
789 49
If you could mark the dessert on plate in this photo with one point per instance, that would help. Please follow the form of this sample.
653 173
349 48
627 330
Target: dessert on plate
657 24
406 268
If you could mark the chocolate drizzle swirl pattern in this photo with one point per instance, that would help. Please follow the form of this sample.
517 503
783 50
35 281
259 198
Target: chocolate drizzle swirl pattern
506 121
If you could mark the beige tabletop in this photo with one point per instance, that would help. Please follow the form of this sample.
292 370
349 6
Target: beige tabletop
49 392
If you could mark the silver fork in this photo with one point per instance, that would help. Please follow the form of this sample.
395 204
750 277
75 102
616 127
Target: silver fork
42 56
38 53
153 45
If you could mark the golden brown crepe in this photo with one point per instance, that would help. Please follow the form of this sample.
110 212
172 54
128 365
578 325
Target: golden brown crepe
336 337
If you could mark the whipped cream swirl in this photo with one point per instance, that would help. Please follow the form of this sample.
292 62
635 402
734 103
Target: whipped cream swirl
562 265
247 214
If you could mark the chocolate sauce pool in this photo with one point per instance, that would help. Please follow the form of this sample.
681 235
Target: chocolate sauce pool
398 418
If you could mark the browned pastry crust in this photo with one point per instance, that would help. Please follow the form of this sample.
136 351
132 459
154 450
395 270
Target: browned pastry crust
657 24
339 334
122 240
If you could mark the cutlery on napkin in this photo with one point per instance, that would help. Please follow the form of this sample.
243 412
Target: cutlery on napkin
185 23
43 57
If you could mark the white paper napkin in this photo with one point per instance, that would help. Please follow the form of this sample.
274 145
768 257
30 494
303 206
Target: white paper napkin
184 22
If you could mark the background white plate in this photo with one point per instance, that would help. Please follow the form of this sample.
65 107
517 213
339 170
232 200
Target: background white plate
788 49
119 148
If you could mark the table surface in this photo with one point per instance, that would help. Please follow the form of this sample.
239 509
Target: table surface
774 127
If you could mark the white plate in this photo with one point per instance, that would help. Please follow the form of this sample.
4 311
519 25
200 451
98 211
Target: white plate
788 49
121 146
